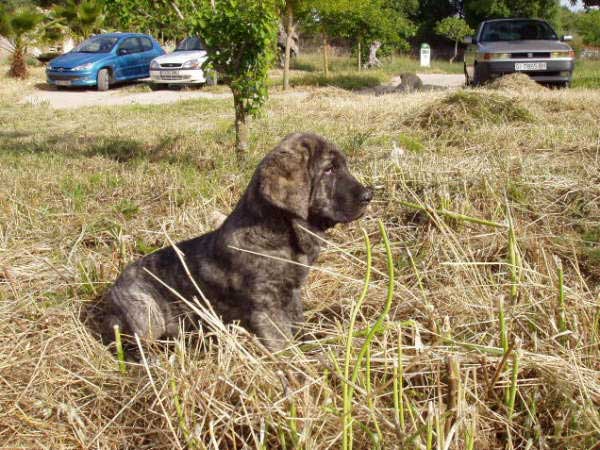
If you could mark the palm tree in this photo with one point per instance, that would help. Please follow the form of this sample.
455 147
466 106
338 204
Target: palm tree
81 18
17 25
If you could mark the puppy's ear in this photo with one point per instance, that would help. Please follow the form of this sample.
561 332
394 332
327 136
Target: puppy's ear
284 178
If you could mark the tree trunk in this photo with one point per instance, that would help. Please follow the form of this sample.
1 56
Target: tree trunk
18 64
373 60
241 125
359 57
325 57
455 52
289 30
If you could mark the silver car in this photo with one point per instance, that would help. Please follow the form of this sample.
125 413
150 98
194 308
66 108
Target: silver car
530 46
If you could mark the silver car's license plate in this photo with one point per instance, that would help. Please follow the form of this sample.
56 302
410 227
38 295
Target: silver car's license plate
63 82
169 73
530 66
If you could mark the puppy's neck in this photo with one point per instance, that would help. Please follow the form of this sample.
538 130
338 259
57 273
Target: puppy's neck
308 238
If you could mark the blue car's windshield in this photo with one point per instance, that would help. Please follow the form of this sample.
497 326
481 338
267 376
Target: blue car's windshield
517 30
98 44
189 44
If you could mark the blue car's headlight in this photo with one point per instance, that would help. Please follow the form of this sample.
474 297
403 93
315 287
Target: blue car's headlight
87 66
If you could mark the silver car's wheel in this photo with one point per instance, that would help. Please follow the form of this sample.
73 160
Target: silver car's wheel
476 81
103 80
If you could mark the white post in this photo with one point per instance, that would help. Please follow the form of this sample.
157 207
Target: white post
425 55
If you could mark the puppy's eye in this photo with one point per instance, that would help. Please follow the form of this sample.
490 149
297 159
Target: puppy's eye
329 171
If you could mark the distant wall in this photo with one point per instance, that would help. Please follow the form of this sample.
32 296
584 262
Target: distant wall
590 53
341 47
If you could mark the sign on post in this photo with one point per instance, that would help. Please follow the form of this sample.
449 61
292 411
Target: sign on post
425 55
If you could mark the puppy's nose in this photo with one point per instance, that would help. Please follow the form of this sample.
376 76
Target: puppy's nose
367 195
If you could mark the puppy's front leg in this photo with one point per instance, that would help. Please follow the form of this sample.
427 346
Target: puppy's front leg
295 312
272 327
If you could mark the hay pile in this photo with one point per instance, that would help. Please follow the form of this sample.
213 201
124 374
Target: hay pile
518 82
464 110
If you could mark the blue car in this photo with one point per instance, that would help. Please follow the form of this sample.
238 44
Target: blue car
105 59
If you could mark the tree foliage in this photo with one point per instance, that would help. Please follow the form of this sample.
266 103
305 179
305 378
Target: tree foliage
366 21
477 10
158 17
588 27
80 18
428 13
455 29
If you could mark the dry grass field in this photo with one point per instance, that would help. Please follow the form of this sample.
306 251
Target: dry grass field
480 331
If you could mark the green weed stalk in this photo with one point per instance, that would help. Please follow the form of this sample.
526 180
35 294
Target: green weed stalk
512 392
562 311
452 215
398 386
294 435
189 439
470 435
513 259
370 401
347 392
377 326
502 323
429 438
120 351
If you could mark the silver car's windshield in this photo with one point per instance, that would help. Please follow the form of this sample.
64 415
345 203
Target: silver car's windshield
517 30
100 44
189 44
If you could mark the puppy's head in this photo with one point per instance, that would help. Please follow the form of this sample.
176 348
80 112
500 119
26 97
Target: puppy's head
307 176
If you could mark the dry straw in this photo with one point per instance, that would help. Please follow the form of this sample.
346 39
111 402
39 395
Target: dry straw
79 201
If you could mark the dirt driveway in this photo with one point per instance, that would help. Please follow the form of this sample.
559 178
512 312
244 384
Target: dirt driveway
67 99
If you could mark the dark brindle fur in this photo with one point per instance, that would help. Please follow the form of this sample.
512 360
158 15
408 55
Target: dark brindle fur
303 182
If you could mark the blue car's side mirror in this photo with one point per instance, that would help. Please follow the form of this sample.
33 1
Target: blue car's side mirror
122 51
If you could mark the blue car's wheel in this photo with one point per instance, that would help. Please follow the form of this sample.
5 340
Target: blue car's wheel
103 82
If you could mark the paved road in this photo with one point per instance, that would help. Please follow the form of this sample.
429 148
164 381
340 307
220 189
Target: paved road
67 99
443 79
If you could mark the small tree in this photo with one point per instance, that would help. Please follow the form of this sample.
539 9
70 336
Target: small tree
17 25
240 37
455 29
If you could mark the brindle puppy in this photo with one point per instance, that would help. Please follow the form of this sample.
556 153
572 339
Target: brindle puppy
303 183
